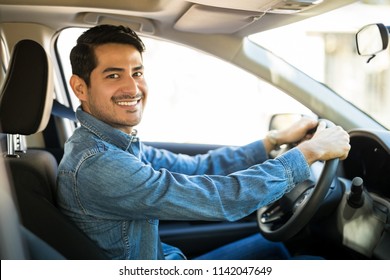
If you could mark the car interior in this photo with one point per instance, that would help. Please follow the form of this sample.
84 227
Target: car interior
341 213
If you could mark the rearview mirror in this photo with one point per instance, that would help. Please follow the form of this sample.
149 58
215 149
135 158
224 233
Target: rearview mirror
372 39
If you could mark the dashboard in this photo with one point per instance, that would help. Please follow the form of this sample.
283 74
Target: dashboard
369 159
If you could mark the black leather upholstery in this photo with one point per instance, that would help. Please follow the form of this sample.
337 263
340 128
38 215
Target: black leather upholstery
33 175
25 102
25 105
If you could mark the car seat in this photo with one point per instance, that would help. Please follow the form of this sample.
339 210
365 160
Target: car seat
26 99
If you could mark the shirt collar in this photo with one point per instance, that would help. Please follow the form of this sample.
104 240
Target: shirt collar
104 131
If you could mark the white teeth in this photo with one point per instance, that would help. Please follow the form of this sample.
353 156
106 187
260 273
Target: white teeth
127 103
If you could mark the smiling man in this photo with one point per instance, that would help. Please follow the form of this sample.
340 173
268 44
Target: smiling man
118 93
116 189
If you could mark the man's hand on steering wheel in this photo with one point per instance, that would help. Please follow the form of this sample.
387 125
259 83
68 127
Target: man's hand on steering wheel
326 143
329 143
296 133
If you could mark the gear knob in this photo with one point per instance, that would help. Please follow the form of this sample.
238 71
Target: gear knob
356 198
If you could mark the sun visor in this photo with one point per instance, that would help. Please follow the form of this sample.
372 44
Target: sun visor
206 19
136 23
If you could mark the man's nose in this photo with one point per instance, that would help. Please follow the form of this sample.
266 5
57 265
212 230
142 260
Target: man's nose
131 84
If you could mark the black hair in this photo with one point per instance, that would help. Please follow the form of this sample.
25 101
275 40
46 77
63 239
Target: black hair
82 56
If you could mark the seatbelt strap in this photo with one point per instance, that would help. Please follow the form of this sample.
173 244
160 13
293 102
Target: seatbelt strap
60 110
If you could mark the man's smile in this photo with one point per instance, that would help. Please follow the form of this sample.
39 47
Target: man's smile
127 103
128 100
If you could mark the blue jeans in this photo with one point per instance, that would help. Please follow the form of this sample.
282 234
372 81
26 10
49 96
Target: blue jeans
254 247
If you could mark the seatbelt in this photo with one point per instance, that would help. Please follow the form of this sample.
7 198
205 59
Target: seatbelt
53 143
62 111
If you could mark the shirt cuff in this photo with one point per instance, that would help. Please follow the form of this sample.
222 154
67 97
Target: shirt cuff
296 167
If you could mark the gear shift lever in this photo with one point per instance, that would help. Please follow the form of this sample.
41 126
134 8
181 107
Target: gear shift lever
356 198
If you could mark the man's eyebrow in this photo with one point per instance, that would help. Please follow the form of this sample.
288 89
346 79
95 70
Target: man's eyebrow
140 67
118 69
113 69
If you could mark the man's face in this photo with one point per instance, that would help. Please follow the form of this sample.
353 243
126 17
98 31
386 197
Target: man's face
118 91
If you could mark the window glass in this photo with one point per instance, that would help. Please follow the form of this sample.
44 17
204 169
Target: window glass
196 98
324 47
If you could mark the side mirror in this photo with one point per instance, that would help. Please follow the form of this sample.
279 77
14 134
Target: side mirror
372 39
281 121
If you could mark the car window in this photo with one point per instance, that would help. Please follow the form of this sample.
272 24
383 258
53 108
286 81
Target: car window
196 98
324 47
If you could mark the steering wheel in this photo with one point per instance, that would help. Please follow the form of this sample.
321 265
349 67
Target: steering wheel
285 217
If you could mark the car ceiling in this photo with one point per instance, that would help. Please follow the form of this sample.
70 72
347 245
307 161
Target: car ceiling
169 17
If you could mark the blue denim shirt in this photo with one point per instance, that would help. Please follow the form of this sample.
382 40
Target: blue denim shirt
116 189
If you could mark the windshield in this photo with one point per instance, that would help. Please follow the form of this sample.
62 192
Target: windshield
324 48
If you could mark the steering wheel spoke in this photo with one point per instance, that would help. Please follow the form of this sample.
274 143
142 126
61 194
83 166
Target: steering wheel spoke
272 214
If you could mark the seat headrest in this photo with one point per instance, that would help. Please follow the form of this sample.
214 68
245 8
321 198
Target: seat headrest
26 97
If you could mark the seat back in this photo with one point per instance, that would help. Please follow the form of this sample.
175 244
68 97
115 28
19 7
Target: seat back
26 99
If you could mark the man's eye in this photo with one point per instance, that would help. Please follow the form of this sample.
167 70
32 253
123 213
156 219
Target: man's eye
137 74
113 76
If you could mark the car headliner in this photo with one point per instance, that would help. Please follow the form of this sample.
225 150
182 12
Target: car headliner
169 17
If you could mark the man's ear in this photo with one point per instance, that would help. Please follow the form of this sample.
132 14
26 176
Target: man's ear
79 87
